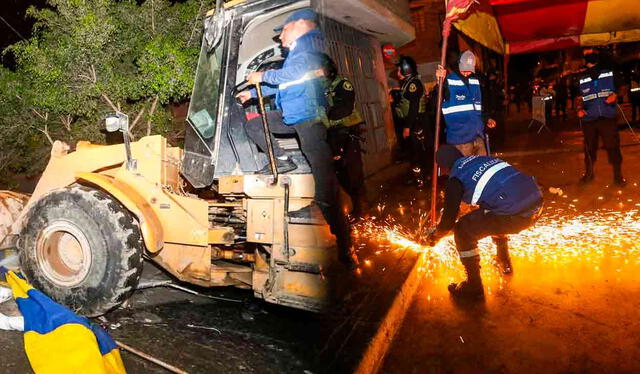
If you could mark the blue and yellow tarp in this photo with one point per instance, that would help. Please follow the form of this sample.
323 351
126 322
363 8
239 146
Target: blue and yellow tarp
57 340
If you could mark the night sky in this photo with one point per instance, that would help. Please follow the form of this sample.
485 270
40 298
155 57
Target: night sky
13 12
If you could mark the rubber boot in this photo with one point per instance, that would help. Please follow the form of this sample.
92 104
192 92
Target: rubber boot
471 288
503 260
618 180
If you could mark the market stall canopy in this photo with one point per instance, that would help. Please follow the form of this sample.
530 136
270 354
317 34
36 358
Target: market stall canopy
524 26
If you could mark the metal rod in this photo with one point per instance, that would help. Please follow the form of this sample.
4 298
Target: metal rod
150 358
267 135
286 221
446 28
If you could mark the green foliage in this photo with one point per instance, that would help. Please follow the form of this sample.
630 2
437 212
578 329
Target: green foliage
86 57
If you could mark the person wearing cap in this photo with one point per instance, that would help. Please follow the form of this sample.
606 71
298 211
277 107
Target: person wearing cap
462 107
411 111
509 201
300 98
597 111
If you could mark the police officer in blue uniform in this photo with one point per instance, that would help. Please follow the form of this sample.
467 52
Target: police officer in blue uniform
462 107
597 111
299 91
509 202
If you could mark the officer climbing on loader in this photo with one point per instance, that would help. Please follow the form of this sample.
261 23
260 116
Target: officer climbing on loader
509 202
343 134
300 96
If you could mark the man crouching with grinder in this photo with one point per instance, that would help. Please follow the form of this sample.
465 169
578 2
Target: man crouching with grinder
509 202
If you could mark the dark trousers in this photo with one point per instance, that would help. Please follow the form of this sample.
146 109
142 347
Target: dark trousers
347 154
607 129
480 224
314 146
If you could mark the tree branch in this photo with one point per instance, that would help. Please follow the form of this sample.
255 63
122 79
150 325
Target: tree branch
153 109
45 131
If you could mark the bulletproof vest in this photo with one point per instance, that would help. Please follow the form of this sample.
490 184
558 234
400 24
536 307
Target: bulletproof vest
463 110
595 93
402 110
350 120
495 185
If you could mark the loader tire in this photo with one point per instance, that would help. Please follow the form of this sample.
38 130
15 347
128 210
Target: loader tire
82 248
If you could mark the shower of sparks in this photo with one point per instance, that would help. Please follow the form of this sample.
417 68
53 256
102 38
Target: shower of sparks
558 238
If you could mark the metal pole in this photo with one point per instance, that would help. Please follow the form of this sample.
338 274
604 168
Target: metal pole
267 135
150 358
446 28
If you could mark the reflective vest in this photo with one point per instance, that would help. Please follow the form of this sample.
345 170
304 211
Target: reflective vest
495 185
402 110
594 96
299 93
463 110
350 120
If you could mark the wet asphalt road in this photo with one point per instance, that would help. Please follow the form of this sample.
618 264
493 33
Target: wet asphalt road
572 313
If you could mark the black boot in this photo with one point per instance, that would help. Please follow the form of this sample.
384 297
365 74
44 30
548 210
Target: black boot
503 260
471 288
618 180
587 176
284 166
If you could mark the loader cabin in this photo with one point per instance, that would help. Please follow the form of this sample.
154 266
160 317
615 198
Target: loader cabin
240 39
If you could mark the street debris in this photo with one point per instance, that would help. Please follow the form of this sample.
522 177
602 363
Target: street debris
169 283
204 328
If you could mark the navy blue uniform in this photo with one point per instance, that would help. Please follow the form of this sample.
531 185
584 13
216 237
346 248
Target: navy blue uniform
600 118
509 201
462 109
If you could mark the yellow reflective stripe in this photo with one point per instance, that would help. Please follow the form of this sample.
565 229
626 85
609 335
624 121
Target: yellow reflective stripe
589 97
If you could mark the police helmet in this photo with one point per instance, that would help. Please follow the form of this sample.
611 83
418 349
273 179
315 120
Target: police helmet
407 65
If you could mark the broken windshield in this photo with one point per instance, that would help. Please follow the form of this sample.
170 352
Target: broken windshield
204 99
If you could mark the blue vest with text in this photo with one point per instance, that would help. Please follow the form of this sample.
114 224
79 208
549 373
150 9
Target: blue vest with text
495 185
463 110
594 95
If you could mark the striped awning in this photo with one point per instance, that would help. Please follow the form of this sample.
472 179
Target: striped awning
524 26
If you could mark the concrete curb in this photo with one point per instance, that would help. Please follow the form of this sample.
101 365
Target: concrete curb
379 345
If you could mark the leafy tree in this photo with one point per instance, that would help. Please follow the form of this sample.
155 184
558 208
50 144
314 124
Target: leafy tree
87 58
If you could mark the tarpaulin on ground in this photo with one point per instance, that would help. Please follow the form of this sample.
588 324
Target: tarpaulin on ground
524 26
56 340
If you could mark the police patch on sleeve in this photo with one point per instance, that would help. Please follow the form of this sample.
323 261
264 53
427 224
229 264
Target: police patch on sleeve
412 87
347 86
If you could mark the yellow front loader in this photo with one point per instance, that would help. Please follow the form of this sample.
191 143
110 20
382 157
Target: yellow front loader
201 213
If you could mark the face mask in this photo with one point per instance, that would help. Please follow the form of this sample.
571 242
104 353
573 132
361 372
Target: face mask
591 58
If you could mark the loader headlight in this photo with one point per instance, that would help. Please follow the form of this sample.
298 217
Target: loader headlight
117 122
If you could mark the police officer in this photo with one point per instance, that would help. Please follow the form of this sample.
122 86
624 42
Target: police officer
462 107
300 96
509 202
597 112
344 123
411 111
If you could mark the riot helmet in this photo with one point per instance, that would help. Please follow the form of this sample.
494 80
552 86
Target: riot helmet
407 66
